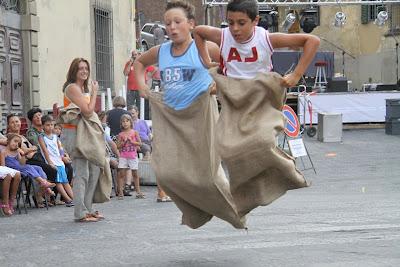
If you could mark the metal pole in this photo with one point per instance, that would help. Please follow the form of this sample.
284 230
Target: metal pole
397 63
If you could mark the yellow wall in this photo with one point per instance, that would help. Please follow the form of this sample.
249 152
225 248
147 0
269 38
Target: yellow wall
66 32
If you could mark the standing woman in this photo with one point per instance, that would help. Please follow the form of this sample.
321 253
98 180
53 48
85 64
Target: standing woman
76 91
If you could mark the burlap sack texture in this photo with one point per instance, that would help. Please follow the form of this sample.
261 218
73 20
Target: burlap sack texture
186 164
89 144
249 122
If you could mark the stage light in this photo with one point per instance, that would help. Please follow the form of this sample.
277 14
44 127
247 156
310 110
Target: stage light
307 23
381 18
340 19
268 19
289 20
224 24
309 19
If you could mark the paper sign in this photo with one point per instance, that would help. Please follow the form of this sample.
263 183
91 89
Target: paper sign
297 148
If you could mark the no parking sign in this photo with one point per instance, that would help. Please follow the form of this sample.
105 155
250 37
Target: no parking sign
292 127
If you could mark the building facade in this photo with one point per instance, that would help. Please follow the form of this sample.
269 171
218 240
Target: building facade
40 38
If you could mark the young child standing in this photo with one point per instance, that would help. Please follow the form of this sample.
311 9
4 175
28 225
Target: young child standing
13 157
128 141
10 180
50 148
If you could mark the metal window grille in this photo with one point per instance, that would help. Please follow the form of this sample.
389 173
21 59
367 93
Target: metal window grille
394 26
11 5
104 50
374 10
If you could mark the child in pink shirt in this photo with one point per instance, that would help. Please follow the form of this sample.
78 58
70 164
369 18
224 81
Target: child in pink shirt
128 141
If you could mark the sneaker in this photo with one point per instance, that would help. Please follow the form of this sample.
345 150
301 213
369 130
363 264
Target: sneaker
69 204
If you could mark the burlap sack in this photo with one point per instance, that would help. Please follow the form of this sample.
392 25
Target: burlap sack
249 122
186 164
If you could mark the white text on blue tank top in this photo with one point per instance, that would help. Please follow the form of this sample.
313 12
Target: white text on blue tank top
177 74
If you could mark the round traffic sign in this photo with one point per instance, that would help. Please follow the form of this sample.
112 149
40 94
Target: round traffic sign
292 127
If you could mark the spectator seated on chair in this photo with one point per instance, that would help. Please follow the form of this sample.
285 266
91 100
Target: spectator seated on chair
14 157
31 151
9 183
64 154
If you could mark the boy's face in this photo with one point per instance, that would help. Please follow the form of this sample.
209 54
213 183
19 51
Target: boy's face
178 26
48 127
241 26
57 130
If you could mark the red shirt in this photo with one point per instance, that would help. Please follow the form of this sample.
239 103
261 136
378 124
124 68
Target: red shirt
150 69
132 83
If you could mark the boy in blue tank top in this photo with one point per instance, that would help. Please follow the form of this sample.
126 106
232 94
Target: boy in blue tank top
184 115
183 75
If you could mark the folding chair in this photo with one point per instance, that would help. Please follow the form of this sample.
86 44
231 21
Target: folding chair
30 191
21 193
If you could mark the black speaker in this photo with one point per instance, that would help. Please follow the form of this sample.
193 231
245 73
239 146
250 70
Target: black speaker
337 84
387 87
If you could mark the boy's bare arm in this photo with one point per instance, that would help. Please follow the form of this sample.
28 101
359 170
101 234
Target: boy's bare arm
308 42
201 35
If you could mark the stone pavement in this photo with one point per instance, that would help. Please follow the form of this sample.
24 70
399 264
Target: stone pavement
350 216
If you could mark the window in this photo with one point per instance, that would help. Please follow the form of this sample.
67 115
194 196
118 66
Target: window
104 49
369 12
146 28
11 5
394 16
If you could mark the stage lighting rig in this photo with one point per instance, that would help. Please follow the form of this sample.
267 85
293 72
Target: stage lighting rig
308 20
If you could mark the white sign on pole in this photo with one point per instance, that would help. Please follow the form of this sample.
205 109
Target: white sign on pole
109 99
297 147
103 101
141 108
124 91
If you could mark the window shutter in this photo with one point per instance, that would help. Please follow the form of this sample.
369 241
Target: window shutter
364 14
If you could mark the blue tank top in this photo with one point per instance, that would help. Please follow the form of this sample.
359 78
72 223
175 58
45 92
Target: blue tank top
183 78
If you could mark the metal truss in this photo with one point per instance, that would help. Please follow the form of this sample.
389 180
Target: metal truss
306 2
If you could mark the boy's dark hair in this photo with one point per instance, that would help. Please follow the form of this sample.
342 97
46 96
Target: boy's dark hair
47 118
188 8
32 113
249 7
58 125
119 101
